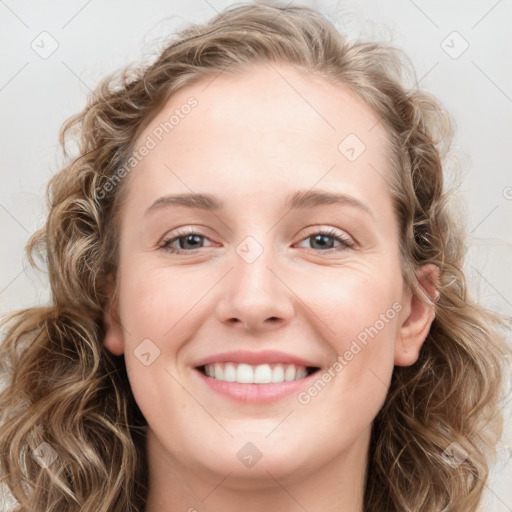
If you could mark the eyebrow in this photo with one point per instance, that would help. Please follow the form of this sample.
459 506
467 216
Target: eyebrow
307 199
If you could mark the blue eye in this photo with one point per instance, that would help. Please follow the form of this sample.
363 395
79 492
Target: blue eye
190 242
187 242
321 239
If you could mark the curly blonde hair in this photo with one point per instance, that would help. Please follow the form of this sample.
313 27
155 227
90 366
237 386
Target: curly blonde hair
65 389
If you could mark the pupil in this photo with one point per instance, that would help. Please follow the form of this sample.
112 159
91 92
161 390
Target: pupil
322 245
188 239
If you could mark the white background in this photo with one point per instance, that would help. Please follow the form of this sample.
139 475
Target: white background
95 38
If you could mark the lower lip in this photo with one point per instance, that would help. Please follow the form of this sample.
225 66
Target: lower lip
255 393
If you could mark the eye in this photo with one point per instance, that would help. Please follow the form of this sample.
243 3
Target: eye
188 241
191 241
321 240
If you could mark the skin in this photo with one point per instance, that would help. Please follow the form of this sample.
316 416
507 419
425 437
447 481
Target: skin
252 140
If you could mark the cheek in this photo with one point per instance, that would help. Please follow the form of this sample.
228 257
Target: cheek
155 313
155 300
352 300
154 310
362 313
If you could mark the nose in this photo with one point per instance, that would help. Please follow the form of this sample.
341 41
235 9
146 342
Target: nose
255 295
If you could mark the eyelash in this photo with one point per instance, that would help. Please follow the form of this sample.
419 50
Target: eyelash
345 242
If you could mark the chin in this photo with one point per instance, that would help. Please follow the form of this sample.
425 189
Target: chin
252 460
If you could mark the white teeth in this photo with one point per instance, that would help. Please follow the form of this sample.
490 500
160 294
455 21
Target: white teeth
278 373
244 374
230 372
261 374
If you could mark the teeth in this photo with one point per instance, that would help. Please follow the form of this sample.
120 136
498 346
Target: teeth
301 373
261 374
244 374
278 374
289 374
230 372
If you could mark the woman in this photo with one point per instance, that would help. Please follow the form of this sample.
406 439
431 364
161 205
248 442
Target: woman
258 296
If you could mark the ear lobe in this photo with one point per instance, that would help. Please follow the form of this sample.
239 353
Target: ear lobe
113 340
420 315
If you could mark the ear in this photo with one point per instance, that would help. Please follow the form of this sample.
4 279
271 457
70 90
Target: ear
113 340
419 316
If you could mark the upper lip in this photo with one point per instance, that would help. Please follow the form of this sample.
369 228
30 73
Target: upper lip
255 358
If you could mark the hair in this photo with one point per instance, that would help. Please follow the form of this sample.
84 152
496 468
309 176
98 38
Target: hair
67 390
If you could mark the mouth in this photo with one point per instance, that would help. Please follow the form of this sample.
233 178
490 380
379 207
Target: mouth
259 377
268 373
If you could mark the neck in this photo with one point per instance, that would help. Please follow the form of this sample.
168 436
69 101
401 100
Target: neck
337 486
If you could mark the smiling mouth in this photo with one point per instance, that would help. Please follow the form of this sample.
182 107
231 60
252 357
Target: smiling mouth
243 373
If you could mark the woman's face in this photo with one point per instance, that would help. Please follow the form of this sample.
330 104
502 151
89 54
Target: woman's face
288 261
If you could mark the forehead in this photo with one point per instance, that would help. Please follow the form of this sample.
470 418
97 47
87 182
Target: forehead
268 125
273 96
